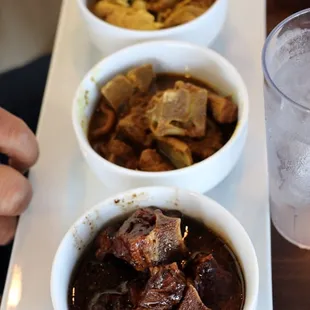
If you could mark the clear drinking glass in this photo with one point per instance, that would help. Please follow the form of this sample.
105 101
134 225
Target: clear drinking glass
286 65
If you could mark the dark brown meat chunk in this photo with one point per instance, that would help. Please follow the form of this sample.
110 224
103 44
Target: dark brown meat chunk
117 91
120 153
104 242
176 150
223 109
213 283
146 239
135 290
210 144
179 112
135 127
141 77
192 300
148 245
164 289
150 160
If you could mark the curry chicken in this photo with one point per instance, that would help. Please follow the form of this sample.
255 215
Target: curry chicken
149 14
160 260
160 122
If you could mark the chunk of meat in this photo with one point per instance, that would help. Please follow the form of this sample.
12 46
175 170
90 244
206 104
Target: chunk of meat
223 109
141 77
136 288
150 160
210 144
176 150
192 300
150 245
104 121
134 126
198 107
180 111
120 153
126 17
104 242
213 283
117 91
160 5
164 289
146 239
183 14
141 101
167 111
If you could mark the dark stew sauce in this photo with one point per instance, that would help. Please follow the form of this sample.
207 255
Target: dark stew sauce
135 138
110 283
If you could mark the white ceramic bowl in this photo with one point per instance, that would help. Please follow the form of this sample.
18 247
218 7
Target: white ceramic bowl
166 56
196 205
108 38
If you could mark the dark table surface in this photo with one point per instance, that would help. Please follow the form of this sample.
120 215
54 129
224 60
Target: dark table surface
290 265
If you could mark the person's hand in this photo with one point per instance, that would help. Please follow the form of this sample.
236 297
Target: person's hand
19 143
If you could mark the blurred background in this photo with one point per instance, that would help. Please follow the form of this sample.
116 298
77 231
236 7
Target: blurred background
27 30
277 10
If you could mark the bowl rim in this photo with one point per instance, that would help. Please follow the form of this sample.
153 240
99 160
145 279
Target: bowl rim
253 278
241 124
145 33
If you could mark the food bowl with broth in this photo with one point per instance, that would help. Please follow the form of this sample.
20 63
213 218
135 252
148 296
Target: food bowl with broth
186 127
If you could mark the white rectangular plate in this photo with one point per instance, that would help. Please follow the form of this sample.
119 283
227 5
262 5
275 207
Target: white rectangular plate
64 187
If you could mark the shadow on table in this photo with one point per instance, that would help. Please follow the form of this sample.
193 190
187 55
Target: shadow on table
290 273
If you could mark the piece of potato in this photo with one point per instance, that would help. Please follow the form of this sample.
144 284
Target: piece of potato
141 77
177 151
117 91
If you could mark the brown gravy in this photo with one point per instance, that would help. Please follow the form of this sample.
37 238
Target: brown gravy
162 82
92 277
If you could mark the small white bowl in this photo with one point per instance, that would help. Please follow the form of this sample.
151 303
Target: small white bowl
195 205
166 56
109 38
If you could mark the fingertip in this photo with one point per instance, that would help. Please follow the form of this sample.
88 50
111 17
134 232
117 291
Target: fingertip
17 141
19 197
15 192
25 140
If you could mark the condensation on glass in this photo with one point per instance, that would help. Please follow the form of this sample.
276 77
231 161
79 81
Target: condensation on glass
286 65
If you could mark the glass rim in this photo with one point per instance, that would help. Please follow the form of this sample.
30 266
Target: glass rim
265 70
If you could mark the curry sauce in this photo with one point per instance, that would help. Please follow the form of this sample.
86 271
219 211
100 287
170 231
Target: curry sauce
160 122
